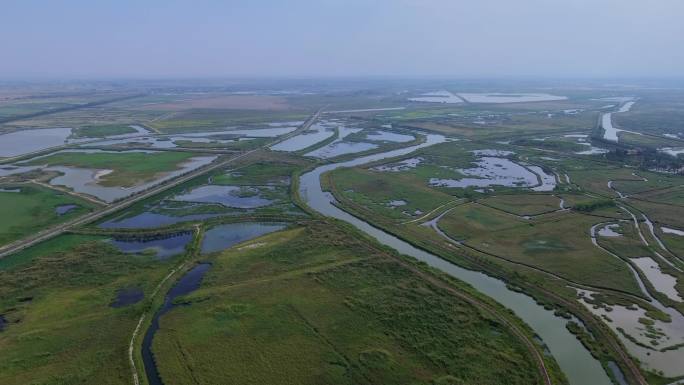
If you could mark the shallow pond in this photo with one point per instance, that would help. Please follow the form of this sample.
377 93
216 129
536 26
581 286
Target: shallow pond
662 282
387 136
491 171
608 230
668 230
403 165
548 181
317 133
340 148
224 236
84 180
438 97
228 196
163 247
63 209
127 296
149 220
27 141
619 317
497 97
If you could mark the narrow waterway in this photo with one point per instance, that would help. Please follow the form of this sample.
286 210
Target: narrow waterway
576 362
187 284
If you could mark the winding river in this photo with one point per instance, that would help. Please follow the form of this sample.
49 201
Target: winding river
576 362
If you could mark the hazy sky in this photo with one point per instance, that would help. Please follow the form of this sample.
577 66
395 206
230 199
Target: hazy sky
234 38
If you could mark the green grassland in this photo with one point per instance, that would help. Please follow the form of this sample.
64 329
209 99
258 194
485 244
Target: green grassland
100 131
523 204
375 190
209 120
61 329
261 173
314 306
33 209
129 168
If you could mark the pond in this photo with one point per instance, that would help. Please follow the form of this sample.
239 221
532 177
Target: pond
491 171
64 209
497 97
340 148
317 133
240 197
163 248
127 296
403 165
27 141
438 97
85 180
224 236
148 220
664 283
387 136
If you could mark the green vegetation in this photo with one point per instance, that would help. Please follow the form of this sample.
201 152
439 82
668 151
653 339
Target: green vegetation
315 306
100 131
593 205
129 168
523 204
61 329
32 209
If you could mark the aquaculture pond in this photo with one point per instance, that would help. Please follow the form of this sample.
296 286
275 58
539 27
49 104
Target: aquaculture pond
241 197
162 247
224 236
186 284
574 359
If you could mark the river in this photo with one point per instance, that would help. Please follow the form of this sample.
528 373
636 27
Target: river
576 362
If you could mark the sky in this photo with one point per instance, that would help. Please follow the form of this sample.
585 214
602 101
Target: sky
341 38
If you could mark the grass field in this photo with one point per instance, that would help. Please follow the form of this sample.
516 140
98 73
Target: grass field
558 243
523 204
61 329
100 131
129 168
377 190
33 209
313 306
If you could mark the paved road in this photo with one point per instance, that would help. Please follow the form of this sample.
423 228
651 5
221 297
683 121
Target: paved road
99 214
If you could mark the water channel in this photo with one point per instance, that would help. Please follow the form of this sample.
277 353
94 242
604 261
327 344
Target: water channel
576 362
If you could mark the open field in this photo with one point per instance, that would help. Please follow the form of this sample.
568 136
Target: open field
234 102
100 131
29 208
352 317
61 327
513 191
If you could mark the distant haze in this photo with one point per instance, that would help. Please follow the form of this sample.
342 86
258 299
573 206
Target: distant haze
269 38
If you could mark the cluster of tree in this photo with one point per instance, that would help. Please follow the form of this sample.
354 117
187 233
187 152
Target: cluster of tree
647 159
590 206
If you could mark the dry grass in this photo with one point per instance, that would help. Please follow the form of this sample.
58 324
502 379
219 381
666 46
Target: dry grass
236 102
